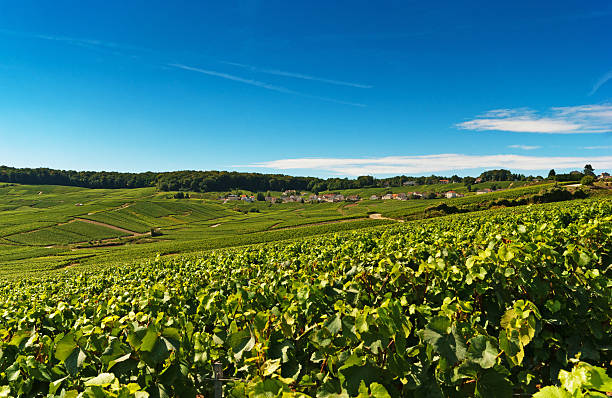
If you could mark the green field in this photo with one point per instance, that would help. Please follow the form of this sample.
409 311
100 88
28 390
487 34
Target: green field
52 227
46 228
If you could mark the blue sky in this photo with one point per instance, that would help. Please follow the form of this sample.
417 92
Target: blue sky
349 88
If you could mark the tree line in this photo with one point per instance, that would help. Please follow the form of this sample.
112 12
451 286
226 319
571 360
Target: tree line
218 181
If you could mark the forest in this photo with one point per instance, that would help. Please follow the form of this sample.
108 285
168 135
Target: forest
216 181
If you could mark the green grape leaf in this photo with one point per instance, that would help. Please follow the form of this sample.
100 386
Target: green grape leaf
552 392
491 384
483 351
240 342
75 360
65 347
102 380
378 391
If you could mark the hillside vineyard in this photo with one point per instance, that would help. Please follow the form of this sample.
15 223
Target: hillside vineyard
486 305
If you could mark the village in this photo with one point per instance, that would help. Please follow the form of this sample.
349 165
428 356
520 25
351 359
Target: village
291 196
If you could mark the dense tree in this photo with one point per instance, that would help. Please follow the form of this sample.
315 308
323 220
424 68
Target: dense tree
552 174
88 179
224 181
587 180
365 181
498 175
469 181
571 176
588 170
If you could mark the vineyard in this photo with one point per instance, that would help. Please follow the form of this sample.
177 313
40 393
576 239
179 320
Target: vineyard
503 303
45 228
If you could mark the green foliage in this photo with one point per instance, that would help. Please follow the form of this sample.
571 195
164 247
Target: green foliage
498 175
474 305
587 180
584 380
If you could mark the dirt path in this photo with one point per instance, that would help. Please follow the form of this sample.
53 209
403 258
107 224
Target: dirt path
127 231
378 216
214 226
123 206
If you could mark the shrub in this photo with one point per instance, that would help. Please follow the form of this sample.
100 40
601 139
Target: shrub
587 180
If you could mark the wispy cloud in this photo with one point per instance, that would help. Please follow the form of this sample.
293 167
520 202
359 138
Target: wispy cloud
560 120
395 165
525 147
87 43
277 72
603 80
598 147
261 84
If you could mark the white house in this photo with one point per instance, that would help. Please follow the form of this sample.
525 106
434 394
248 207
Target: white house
452 194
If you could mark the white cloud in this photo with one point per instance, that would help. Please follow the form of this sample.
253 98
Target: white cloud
524 147
261 84
295 75
560 120
88 43
598 147
601 82
252 82
395 165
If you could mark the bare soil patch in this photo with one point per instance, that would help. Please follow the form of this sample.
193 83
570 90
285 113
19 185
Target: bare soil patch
378 216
